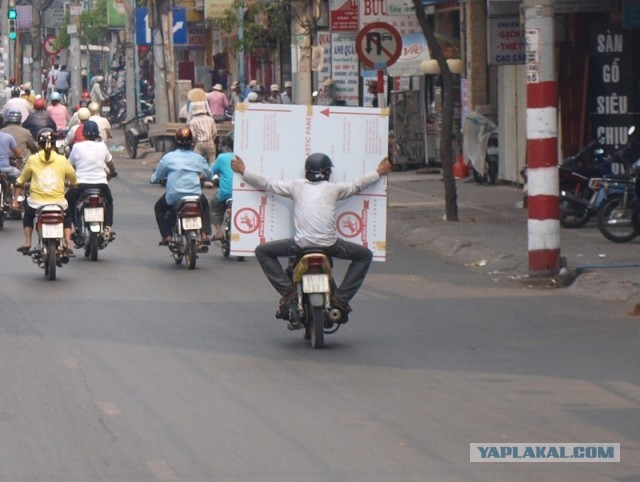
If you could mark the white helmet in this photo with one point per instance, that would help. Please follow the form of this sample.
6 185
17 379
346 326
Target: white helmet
83 113
94 108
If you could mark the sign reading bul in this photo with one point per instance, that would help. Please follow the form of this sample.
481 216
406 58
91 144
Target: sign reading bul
179 29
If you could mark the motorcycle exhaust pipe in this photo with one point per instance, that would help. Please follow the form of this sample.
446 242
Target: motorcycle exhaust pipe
335 315
573 198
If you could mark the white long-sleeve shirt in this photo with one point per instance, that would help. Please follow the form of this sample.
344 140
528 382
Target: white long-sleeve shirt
314 204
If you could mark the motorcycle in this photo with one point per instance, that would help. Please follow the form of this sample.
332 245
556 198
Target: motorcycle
481 147
615 216
311 272
115 108
577 198
226 226
90 224
49 252
187 231
6 200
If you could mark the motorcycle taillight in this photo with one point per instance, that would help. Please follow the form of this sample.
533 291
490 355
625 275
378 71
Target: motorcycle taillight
92 201
315 263
52 218
190 209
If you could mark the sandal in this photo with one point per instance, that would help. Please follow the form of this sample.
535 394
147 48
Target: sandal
24 249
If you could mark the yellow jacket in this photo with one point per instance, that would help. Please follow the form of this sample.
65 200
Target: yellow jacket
47 178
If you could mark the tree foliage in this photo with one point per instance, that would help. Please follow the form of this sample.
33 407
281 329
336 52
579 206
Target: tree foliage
93 27
265 26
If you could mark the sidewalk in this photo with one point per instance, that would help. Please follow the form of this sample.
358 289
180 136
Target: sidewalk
491 236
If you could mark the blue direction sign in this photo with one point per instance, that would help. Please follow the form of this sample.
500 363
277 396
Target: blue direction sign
179 27
143 32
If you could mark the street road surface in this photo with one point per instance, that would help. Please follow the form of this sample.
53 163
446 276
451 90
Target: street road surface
132 368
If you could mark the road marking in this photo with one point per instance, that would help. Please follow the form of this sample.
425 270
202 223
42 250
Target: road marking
109 408
162 470
71 362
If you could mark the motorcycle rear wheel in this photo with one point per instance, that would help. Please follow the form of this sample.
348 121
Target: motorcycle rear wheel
190 254
91 249
573 215
315 322
615 219
51 262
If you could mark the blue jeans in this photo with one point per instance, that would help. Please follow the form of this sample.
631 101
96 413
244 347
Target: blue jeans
267 255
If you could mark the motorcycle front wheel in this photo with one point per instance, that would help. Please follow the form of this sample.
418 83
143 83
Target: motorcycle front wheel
615 219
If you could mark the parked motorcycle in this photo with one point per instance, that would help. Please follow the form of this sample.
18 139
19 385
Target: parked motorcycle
89 225
481 147
577 198
187 231
616 213
115 108
312 274
49 252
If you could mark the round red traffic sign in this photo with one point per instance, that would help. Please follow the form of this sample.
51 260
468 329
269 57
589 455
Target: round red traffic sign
378 45
48 46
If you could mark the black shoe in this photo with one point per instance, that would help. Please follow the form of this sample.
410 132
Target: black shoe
24 249
294 325
342 305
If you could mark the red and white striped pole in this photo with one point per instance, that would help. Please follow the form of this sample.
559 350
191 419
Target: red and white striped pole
542 139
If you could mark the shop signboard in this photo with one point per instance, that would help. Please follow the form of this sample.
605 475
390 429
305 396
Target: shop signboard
344 68
505 42
614 100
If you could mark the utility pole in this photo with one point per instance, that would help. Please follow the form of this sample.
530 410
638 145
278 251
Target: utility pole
301 39
73 29
542 139
160 67
36 41
130 62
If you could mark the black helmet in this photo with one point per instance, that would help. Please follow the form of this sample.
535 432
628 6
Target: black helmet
184 137
15 91
317 167
13 117
46 138
228 141
90 130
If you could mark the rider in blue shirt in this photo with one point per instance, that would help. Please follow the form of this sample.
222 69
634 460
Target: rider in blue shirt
222 167
183 170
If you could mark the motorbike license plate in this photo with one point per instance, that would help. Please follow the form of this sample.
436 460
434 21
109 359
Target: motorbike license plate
191 223
93 215
315 283
52 231
106 108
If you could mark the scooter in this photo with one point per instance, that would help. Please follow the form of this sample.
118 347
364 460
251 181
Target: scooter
49 253
90 224
312 274
187 231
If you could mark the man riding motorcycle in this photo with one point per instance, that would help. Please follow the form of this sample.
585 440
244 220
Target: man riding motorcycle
183 170
47 171
91 160
26 143
314 215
